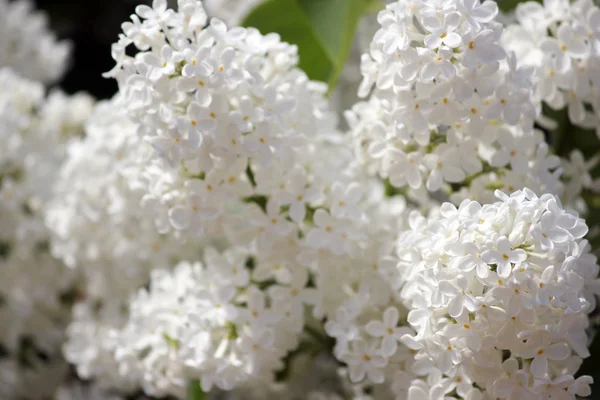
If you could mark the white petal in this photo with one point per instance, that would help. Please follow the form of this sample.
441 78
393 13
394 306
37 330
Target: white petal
321 218
503 269
389 346
433 41
379 361
411 343
558 351
434 182
452 39
376 375
429 72
518 256
375 329
413 177
483 270
447 287
297 211
453 174
539 366
504 386
391 317
317 238
180 217
357 372
455 307
144 11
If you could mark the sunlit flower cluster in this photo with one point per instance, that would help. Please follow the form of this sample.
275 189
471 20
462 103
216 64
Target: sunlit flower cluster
560 41
245 154
99 229
499 296
213 229
450 108
218 105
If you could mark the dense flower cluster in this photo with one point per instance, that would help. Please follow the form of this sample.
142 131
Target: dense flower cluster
210 322
499 296
245 150
27 45
100 230
219 106
561 42
231 321
233 13
210 226
450 106
35 291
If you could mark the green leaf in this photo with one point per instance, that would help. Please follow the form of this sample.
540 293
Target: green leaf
194 391
509 5
374 6
323 30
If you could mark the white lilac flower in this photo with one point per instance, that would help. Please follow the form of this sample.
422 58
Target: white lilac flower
234 12
238 85
28 46
223 229
185 337
99 230
578 176
446 105
560 41
511 330
217 325
225 143
36 290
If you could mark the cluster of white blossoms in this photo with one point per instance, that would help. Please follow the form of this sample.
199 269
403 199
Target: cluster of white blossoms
35 290
560 41
27 45
242 316
450 109
211 228
246 153
499 297
221 138
210 323
234 12
99 229
220 106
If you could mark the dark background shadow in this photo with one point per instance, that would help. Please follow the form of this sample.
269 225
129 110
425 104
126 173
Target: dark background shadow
92 26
